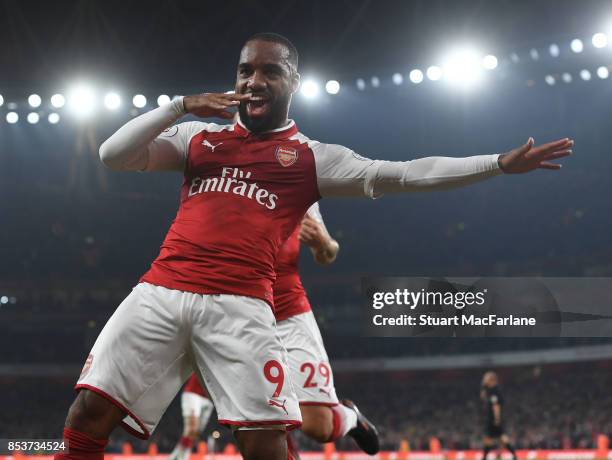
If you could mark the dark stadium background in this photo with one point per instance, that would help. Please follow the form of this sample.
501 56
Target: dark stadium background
74 237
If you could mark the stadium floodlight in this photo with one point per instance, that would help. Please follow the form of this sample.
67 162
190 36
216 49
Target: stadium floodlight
112 101
534 54
463 67
397 78
58 101
434 73
550 80
310 89
576 45
600 40
489 62
332 87
375 82
164 99
585 74
12 117
33 118
361 84
554 50
1 100
603 72
34 100
82 100
139 101
4 300
416 76
566 77
53 118
515 58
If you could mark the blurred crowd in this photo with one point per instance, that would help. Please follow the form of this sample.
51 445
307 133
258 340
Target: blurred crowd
549 407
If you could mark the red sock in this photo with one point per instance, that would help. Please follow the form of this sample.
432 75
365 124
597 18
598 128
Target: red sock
292 451
81 447
338 422
186 442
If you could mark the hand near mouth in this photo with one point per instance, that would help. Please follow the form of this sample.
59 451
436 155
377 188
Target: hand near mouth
214 104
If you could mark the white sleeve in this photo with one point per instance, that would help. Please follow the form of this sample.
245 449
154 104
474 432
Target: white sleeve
342 172
148 143
315 212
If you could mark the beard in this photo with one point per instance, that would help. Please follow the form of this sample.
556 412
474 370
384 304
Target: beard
272 120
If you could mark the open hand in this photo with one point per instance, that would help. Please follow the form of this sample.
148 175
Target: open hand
213 104
527 157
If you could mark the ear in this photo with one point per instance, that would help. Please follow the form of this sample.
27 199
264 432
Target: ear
295 82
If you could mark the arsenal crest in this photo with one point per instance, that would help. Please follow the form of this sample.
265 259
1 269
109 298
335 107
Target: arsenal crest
286 156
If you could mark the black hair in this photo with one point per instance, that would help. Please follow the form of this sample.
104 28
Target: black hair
281 40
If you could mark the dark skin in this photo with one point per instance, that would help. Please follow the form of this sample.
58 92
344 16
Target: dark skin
265 83
264 73
97 417
265 77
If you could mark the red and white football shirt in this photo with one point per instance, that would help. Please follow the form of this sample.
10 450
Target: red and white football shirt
242 196
290 297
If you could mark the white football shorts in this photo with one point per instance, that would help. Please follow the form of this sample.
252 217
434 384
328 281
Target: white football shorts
157 337
311 373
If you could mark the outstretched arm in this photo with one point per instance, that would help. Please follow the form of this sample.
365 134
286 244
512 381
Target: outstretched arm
145 143
341 172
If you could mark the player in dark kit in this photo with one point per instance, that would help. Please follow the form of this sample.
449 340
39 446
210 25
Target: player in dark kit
494 429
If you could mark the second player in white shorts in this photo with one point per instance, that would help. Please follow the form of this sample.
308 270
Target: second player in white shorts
310 369
194 405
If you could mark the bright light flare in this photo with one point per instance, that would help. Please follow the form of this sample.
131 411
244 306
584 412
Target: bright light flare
576 45
58 101
310 89
585 74
82 101
554 50
332 87
164 99
34 100
489 62
463 67
12 117
139 101
600 40
603 72
112 101
434 73
416 76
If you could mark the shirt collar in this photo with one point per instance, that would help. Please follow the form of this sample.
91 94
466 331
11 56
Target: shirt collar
284 132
